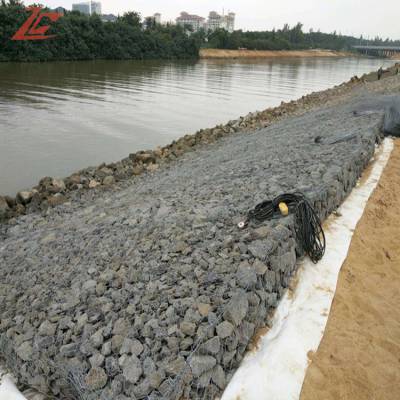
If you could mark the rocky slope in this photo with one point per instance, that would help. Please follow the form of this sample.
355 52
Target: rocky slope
149 289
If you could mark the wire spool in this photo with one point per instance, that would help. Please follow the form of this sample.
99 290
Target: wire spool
308 227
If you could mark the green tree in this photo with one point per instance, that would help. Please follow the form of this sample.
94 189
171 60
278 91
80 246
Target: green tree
82 37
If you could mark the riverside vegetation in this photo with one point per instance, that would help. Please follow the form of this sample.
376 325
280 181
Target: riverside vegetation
288 38
82 37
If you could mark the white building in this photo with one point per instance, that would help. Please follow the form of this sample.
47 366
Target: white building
157 18
194 21
84 8
216 21
88 7
154 19
96 7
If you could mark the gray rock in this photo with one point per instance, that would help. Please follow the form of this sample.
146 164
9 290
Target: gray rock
89 286
149 366
155 379
176 366
225 329
69 350
96 379
262 249
132 369
218 377
25 351
97 339
97 360
186 343
112 366
58 185
201 364
106 349
211 346
93 184
117 385
259 267
204 381
47 329
108 180
246 276
103 172
188 328
121 327
204 309
4 208
24 197
262 232
131 346
236 309
116 343
56 200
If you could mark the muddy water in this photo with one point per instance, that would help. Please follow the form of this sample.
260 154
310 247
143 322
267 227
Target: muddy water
58 117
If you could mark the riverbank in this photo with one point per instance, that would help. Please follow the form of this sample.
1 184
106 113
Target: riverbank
149 288
52 191
359 355
226 54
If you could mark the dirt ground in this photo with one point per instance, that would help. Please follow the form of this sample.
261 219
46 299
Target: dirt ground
220 53
359 356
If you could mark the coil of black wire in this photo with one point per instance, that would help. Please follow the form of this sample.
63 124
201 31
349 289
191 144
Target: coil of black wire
309 232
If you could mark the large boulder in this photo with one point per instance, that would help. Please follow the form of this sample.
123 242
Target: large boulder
391 123
24 197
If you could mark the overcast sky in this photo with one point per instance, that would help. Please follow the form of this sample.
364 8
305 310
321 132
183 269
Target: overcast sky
354 17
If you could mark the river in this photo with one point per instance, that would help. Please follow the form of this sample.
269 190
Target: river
56 118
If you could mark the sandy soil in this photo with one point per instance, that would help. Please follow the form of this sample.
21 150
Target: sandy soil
219 53
359 356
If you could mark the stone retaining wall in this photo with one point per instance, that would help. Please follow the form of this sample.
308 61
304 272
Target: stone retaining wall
152 292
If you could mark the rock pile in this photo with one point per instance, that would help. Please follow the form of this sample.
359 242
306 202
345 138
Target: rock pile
152 292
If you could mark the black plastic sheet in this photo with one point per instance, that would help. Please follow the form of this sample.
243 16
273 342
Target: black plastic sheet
391 124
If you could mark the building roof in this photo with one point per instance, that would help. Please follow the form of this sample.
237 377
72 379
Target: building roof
186 16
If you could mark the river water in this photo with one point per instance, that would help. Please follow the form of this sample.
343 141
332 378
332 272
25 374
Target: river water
56 118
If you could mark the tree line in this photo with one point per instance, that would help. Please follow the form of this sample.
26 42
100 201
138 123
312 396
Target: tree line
83 37
287 38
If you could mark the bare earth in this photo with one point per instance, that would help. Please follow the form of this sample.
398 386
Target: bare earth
359 356
219 53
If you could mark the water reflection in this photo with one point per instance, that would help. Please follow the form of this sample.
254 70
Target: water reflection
59 117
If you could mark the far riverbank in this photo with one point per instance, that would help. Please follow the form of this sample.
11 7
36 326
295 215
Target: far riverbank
221 53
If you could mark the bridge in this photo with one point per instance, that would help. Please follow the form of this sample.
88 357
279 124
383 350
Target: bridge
378 51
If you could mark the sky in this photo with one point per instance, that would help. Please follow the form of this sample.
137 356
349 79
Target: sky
369 18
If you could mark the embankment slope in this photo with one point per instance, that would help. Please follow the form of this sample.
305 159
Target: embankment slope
359 356
150 289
